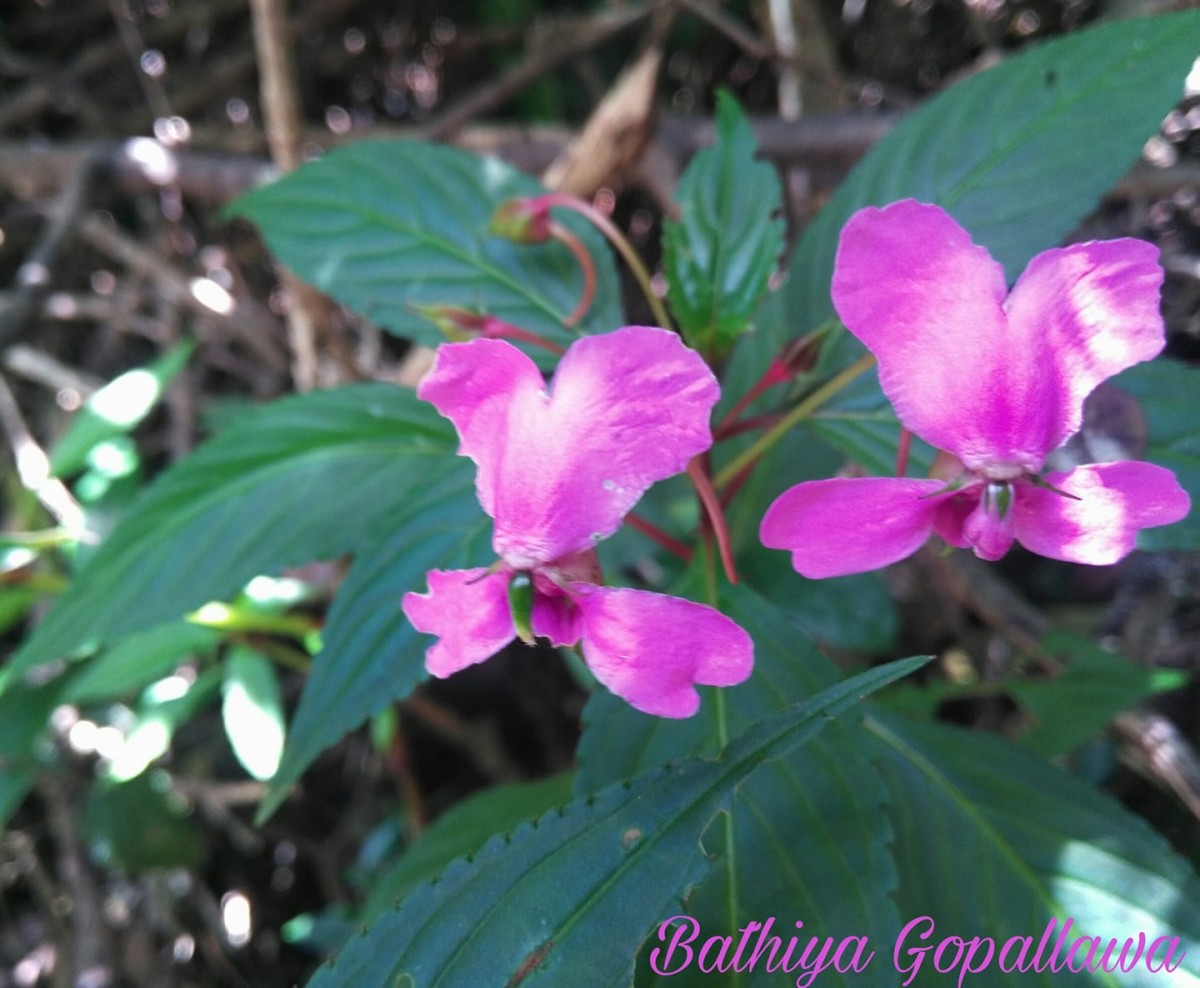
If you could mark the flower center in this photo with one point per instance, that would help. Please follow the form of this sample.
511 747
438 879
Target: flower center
997 499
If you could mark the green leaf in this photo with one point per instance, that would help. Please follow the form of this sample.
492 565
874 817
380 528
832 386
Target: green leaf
847 612
117 408
137 660
384 226
252 711
579 889
1093 688
1063 712
1159 386
14 603
24 716
463 830
304 478
720 254
1018 154
803 825
371 655
992 841
15 785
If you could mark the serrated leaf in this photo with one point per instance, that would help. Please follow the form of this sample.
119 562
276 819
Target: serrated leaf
992 841
720 254
569 899
117 408
252 711
802 824
383 226
1174 431
462 830
1018 154
308 477
371 655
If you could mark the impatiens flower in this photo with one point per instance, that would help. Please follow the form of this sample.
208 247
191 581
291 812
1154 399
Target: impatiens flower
995 379
558 470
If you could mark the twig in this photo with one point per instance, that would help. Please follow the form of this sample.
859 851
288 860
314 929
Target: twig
555 48
33 468
787 44
35 275
477 741
1163 752
135 45
41 368
246 323
91 956
984 593
834 141
281 114
733 29
277 87
39 92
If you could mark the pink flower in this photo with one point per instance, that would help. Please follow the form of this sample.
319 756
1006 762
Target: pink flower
558 471
995 379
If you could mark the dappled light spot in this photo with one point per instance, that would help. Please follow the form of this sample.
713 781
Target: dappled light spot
212 296
156 163
236 918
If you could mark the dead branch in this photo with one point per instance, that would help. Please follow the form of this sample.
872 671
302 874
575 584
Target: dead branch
33 469
285 138
616 134
548 49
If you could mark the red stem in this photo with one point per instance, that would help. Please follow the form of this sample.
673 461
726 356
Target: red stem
498 329
656 534
712 507
586 264
902 452
776 373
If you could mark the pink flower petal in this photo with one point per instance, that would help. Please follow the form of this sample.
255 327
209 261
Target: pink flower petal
469 615
989 528
1116 501
556 618
1087 312
928 303
558 471
652 650
952 515
840 526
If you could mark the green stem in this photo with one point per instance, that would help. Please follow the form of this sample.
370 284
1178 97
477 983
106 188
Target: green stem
721 711
620 244
798 414
231 619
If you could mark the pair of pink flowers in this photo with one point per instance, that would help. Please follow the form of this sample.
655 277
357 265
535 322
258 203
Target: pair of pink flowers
996 380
